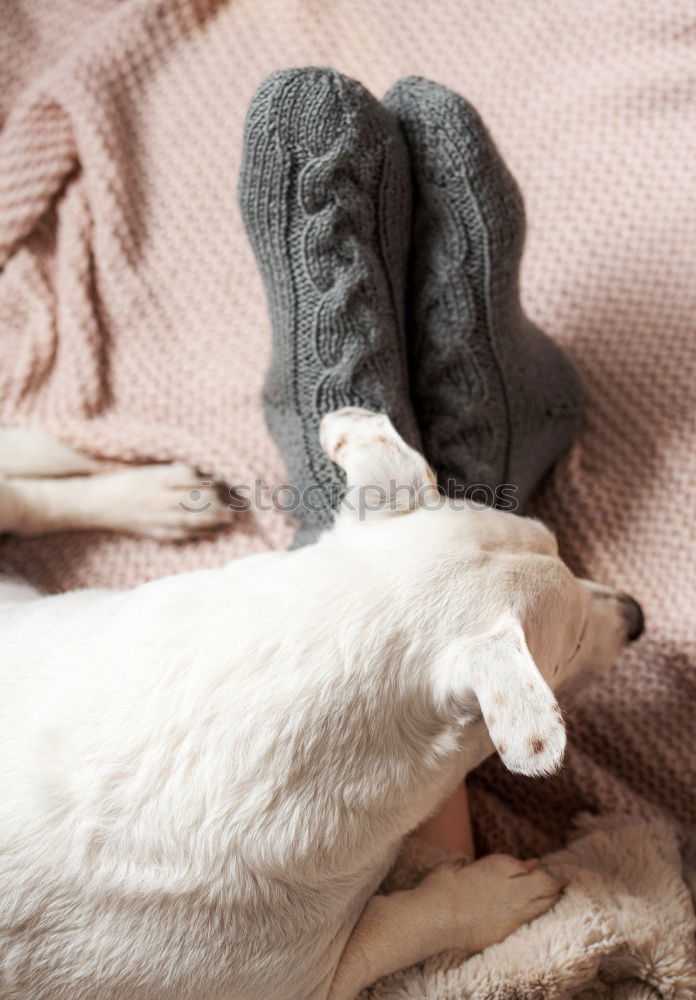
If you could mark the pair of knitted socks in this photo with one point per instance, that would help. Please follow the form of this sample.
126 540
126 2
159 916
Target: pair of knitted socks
389 238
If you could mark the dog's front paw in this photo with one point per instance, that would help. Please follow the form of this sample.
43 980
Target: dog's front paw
491 898
166 502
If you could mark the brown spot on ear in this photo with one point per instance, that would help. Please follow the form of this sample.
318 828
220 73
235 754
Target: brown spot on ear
341 443
538 745
502 749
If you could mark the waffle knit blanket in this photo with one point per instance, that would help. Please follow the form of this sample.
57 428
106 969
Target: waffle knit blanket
133 324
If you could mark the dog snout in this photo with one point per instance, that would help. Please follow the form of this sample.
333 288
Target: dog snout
633 616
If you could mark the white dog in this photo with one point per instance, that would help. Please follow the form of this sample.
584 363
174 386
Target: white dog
204 780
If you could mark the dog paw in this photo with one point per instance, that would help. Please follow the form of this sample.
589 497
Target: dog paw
491 898
167 502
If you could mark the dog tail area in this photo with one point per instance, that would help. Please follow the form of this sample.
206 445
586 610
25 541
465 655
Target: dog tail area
34 453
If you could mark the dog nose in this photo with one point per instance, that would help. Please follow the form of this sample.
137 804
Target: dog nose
633 615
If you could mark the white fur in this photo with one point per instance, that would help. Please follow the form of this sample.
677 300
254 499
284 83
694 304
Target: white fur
47 486
203 780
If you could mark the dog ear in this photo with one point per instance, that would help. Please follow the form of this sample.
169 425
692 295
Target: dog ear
522 715
375 458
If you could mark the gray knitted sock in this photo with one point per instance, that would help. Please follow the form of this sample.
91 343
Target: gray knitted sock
496 400
326 200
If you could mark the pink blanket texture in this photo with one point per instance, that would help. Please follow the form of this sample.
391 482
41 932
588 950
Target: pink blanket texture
133 322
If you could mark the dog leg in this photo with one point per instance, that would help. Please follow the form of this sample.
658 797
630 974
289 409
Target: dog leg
158 501
456 907
30 453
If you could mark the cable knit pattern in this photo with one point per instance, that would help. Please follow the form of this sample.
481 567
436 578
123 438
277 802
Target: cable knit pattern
593 106
496 400
326 199
325 196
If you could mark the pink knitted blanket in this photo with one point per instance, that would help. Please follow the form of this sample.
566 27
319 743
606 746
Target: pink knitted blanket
133 324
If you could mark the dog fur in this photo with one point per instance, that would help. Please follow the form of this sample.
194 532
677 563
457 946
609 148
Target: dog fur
47 486
204 780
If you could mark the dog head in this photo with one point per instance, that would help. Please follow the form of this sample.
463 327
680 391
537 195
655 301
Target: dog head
512 622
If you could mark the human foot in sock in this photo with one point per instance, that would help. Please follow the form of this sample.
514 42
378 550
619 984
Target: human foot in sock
496 400
326 200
